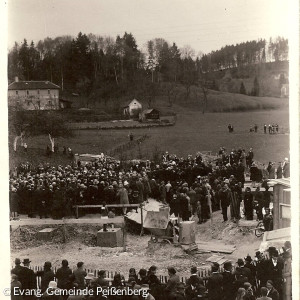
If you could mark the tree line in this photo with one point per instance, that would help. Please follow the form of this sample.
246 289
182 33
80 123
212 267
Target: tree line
99 67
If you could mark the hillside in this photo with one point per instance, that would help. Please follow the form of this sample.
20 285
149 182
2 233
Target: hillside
268 75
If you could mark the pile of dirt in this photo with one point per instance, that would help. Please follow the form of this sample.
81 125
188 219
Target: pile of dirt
27 236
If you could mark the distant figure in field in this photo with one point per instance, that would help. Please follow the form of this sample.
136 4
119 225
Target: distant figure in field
255 127
286 168
265 128
279 170
270 129
277 128
131 136
230 128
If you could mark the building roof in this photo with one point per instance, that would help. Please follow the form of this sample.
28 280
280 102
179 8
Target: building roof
128 103
65 100
33 85
150 110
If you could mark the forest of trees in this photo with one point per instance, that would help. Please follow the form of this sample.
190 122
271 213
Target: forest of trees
99 67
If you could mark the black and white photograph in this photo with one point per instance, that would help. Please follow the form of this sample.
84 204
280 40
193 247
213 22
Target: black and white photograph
149 151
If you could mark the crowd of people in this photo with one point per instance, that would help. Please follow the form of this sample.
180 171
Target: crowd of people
271 128
247 279
190 186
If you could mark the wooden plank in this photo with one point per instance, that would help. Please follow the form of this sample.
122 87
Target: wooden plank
214 258
247 223
215 247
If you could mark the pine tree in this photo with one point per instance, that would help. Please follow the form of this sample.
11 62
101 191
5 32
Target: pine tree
242 89
255 90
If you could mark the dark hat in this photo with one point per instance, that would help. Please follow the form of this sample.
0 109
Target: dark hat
17 261
26 261
227 265
47 264
257 254
143 272
248 258
271 249
240 261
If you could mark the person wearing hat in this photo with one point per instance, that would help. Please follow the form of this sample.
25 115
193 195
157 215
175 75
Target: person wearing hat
228 281
14 200
241 269
214 283
249 264
274 269
17 270
27 278
46 275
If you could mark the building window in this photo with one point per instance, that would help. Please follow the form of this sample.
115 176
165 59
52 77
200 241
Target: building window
27 92
17 93
48 92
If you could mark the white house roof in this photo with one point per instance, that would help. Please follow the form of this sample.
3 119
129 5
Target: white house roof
32 85
132 102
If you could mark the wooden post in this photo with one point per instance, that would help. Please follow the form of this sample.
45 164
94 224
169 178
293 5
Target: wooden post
142 220
76 211
124 236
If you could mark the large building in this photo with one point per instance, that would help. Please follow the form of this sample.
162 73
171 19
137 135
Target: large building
33 95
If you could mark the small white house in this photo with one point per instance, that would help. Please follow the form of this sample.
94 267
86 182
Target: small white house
133 108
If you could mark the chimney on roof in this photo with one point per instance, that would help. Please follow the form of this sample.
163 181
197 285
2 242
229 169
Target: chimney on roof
16 79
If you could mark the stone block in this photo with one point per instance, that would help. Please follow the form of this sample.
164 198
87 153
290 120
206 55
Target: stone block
45 234
110 238
187 232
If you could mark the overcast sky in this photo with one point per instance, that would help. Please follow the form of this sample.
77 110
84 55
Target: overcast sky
204 24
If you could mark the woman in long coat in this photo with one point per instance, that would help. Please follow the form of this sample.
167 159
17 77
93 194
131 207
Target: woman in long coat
122 195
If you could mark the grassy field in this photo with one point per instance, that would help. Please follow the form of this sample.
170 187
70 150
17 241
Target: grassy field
193 132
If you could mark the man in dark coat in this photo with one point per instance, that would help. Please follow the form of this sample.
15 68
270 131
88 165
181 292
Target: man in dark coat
225 201
172 282
63 275
214 283
274 269
17 270
46 275
272 292
228 280
27 279
241 269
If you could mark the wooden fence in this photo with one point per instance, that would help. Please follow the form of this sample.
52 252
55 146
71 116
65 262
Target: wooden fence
203 273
